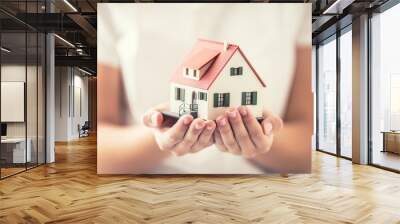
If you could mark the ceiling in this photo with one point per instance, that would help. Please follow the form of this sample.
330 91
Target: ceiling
76 20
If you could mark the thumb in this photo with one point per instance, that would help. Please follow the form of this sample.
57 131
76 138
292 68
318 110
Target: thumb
153 119
267 127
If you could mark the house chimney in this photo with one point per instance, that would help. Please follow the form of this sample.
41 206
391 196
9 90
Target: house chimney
225 45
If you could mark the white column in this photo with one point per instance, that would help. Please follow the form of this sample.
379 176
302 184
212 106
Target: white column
63 99
50 99
360 90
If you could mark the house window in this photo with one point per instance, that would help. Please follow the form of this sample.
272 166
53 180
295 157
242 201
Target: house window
221 99
180 94
249 98
203 96
237 71
187 71
195 73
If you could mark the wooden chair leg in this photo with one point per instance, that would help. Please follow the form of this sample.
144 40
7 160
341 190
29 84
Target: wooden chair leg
286 175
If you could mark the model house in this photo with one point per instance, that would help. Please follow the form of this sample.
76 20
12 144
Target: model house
213 77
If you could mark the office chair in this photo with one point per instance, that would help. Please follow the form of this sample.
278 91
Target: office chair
84 130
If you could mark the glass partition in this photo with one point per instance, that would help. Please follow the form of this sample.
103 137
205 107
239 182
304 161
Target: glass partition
385 89
23 89
334 101
31 99
327 96
346 93
14 153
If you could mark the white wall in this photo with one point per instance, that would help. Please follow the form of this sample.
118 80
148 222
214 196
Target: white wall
71 93
202 104
34 125
235 85
62 81
12 73
16 73
80 94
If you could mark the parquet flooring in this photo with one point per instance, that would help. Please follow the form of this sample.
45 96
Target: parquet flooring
10 171
69 191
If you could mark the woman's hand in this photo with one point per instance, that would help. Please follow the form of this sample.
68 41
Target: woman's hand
187 135
240 133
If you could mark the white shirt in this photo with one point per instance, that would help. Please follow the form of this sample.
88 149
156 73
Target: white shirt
148 41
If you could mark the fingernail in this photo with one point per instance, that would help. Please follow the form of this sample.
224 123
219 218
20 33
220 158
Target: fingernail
154 119
199 125
222 122
243 111
187 120
268 128
210 127
232 114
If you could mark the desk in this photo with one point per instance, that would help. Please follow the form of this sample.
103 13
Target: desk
13 150
391 141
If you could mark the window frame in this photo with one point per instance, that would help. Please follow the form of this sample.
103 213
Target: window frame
179 94
221 99
379 10
249 98
202 96
36 41
235 71
337 38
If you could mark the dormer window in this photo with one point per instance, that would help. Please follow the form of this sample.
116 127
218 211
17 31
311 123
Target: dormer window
191 73
197 65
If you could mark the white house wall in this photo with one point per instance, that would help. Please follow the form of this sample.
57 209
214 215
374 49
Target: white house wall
235 85
202 104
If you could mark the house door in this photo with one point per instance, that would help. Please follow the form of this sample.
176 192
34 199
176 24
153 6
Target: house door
193 106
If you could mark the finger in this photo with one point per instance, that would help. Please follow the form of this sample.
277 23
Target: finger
267 127
276 121
254 129
267 140
153 119
190 138
227 135
218 141
241 135
176 133
205 138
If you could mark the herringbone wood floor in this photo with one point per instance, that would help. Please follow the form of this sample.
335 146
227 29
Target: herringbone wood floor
69 191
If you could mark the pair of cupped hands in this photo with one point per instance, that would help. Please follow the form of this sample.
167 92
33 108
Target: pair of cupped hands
237 132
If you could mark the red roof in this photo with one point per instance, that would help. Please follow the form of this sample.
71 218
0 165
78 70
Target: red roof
202 52
200 58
